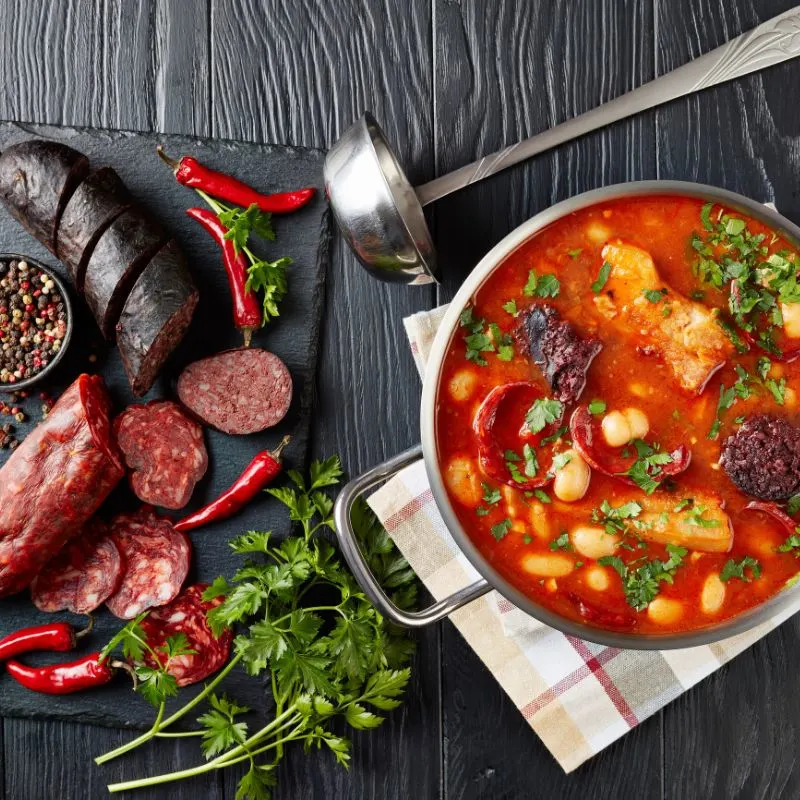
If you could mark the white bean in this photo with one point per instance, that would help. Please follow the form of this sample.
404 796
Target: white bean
637 421
664 611
596 578
463 480
616 430
462 385
713 595
572 480
546 565
593 542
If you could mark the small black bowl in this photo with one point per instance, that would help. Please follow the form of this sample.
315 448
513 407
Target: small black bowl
62 289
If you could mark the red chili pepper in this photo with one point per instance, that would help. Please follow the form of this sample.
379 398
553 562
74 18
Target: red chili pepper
772 510
491 453
190 172
74 676
586 438
247 314
57 637
262 470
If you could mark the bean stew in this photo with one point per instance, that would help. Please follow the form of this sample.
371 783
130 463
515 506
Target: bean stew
617 415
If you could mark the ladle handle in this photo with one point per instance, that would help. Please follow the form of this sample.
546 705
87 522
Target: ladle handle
770 43
359 566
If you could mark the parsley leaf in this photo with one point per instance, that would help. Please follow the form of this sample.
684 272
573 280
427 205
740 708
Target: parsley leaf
602 278
655 295
502 528
562 542
531 463
734 569
546 285
269 277
643 584
791 545
560 460
242 222
511 307
597 407
793 505
542 413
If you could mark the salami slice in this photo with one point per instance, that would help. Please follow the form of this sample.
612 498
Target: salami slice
55 481
157 562
165 451
239 391
186 614
83 575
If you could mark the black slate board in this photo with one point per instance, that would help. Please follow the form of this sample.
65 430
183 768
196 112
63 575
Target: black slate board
305 237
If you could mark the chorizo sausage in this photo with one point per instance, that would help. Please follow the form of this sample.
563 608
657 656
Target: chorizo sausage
55 481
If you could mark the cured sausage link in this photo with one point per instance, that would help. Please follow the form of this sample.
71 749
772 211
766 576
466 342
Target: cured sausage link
55 481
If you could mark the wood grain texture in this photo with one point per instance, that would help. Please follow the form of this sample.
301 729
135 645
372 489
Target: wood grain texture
450 80
509 74
304 71
730 736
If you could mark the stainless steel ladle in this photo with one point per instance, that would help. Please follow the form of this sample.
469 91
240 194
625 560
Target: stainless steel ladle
380 213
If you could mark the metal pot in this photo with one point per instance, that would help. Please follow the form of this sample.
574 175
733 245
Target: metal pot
428 449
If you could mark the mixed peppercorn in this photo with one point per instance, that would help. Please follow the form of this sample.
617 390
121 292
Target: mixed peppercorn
33 321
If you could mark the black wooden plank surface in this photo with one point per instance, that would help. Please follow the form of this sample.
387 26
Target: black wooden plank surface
298 72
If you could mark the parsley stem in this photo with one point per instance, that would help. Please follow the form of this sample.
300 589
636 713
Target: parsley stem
179 734
158 724
217 763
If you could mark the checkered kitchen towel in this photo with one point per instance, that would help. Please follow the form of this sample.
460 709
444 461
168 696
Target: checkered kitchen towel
578 696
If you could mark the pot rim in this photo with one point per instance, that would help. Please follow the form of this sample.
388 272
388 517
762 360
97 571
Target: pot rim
785 599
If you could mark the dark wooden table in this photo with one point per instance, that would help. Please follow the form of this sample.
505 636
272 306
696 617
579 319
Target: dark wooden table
450 80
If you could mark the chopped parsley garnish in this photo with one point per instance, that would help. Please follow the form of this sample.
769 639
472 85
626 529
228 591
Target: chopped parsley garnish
542 496
648 466
531 464
597 407
555 436
777 389
728 254
546 285
655 295
687 502
503 342
491 495
643 583
477 340
501 529
602 278
561 543
542 413
727 397
793 506
695 517
734 569
560 460
510 307
481 511
575 253
613 519
791 545
526 539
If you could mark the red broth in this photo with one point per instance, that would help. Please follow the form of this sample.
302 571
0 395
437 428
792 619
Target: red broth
532 538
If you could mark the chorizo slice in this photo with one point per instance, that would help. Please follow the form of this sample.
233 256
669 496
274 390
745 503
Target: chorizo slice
94 205
156 316
83 575
238 392
119 258
156 562
689 339
164 450
55 481
37 179
187 614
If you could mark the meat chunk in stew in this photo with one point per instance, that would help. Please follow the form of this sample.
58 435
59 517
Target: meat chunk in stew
687 336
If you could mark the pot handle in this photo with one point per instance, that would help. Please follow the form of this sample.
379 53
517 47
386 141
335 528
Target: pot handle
358 564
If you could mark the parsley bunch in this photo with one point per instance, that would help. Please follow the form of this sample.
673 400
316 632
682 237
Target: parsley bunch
267 277
302 617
